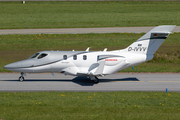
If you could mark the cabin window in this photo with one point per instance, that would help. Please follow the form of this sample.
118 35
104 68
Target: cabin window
84 57
65 57
74 57
35 55
42 55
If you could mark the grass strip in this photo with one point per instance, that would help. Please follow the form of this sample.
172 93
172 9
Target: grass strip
89 105
56 14
19 47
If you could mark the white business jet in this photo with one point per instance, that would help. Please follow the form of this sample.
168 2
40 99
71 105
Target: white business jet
94 64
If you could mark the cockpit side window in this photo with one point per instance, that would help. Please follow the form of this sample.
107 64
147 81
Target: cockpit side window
35 55
42 55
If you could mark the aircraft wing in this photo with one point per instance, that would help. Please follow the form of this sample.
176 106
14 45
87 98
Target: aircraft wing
100 68
98 71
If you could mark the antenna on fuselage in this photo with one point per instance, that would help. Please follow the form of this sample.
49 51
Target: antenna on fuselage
88 49
105 49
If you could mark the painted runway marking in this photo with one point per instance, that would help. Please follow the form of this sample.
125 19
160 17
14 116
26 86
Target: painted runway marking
145 81
127 81
163 81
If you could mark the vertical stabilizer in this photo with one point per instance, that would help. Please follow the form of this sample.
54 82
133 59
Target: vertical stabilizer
151 41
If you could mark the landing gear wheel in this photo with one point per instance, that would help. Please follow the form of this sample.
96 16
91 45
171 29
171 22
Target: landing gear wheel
96 80
21 78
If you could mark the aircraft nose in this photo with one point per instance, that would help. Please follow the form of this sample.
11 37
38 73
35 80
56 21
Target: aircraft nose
10 66
18 65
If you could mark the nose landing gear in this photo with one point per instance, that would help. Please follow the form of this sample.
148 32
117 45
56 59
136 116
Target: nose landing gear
21 78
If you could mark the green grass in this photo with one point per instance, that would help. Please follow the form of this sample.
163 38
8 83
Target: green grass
19 47
89 105
88 14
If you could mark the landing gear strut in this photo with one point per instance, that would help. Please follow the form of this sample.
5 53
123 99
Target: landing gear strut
21 78
94 79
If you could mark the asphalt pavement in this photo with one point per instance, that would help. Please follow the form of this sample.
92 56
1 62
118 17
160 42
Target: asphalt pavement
114 82
81 30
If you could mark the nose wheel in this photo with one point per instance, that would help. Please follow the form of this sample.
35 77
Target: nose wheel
21 78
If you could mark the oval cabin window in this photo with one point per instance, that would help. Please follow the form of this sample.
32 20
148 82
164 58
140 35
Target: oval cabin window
65 57
74 57
84 57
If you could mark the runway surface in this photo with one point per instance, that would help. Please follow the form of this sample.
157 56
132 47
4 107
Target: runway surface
80 30
114 82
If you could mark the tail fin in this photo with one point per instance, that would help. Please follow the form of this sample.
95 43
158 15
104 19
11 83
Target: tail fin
151 41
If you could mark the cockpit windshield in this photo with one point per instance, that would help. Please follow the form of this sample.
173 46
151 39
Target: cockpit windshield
35 55
42 55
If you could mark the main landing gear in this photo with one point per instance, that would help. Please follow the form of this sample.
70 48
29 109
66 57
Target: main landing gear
94 79
21 78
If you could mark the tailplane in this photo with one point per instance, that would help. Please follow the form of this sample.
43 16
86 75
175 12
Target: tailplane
151 41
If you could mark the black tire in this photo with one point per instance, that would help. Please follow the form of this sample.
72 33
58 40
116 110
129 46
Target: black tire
21 78
96 81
